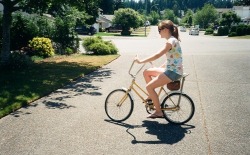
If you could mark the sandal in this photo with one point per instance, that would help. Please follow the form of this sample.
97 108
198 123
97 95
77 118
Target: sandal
153 116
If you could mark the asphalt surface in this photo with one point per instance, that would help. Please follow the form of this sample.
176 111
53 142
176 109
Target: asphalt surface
72 119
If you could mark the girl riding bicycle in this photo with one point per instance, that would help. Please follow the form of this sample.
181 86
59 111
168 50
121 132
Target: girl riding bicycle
173 69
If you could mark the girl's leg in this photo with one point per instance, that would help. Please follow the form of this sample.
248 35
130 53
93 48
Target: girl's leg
149 73
160 80
152 72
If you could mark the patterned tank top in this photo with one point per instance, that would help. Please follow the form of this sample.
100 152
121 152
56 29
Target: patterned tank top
174 56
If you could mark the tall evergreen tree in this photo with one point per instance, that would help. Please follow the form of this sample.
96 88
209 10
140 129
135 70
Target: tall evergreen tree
107 6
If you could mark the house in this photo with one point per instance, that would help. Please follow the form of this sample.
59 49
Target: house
243 12
222 10
103 21
107 20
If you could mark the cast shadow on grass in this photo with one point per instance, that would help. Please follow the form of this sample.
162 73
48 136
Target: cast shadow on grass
165 133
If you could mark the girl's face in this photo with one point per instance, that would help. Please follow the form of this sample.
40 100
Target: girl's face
163 32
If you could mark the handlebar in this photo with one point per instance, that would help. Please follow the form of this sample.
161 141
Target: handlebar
134 75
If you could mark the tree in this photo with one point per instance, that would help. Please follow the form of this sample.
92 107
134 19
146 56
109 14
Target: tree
188 18
228 18
127 18
38 6
242 2
154 17
206 15
107 6
169 14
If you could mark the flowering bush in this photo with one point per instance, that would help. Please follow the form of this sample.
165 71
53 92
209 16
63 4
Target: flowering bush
41 47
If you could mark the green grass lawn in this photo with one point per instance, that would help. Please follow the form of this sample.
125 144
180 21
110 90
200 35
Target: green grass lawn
140 32
241 37
20 87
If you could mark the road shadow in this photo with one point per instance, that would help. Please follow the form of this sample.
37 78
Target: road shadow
165 133
85 86
80 86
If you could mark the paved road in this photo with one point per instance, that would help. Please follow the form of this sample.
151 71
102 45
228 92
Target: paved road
72 120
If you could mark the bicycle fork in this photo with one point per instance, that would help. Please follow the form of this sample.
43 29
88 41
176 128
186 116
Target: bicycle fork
124 97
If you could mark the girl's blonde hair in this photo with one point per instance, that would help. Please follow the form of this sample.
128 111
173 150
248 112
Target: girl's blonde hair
172 28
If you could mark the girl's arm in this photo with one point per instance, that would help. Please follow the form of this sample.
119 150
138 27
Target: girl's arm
163 65
155 56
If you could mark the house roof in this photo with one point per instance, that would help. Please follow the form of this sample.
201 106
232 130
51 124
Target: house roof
109 17
222 10
105 19
241 7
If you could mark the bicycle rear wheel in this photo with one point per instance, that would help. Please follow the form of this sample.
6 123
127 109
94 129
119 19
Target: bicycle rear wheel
178 114
119 105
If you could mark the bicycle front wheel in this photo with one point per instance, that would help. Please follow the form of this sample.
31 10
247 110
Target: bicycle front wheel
119 105
178 114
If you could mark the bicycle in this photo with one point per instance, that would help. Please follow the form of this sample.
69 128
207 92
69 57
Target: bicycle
177 107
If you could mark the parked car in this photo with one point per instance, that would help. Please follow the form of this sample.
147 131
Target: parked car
85 30
194 31
114 28
182 28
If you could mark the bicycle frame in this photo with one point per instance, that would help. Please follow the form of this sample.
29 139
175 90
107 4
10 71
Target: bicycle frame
135 87
176 106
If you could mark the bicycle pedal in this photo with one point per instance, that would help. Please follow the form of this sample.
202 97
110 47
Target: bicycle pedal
149 102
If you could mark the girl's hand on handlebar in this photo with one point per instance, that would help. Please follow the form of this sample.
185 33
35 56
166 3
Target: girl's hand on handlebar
137 59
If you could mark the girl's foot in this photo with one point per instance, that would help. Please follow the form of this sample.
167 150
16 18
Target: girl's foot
153 116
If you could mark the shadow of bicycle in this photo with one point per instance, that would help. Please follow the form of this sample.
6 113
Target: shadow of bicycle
165 133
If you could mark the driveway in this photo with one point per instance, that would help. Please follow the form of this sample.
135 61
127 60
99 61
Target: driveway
72 120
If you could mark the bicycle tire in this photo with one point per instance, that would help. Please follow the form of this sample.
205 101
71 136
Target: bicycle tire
179 115
118 113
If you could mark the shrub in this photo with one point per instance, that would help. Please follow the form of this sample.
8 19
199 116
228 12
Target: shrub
233 29
209 31
22 30
69 51
41 47
223 31
98 46
232 34
46 27
240 30
113 49
126 33
65 35
248 30
17 60
90 40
